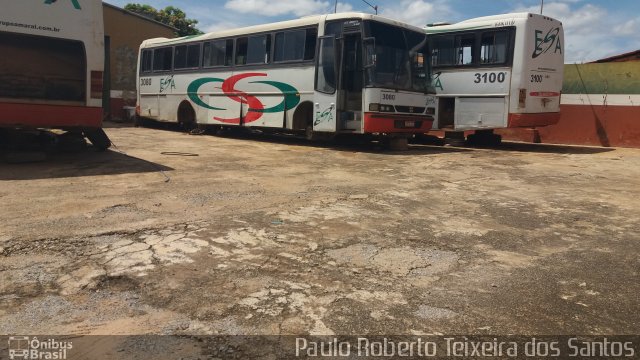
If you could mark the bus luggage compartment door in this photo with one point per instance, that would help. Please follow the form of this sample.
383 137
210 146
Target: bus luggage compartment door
149 105
481 113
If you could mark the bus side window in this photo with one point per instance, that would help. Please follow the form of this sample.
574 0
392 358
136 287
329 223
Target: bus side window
493 48
443 53
258 49
297 45
465 49
181 57
145 64
187 57
241 50
253 50
289 46
228 60
163 59
217 53
193 56
310 44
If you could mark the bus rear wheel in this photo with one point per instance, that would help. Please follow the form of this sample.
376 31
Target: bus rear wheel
98 138
139 121
186 117
484 138
398 143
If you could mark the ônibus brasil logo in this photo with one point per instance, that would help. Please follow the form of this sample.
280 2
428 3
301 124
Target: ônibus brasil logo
544 44
256 107
75 3
25 348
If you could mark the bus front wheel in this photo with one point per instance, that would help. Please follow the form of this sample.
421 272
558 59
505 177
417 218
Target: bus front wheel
309 134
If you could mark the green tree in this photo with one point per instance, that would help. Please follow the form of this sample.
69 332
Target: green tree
170 15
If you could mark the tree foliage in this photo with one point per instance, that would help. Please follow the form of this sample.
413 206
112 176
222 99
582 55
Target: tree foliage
170 15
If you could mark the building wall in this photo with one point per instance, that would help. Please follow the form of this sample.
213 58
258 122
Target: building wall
600 106
126 32
631 56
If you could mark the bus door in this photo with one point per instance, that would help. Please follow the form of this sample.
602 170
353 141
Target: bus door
351 81
325 95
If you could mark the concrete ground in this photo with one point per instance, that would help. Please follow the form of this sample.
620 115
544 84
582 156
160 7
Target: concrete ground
176 234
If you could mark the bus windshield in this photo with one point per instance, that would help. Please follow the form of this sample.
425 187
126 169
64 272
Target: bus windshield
396 58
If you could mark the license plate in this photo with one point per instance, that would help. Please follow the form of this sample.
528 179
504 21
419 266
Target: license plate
409 124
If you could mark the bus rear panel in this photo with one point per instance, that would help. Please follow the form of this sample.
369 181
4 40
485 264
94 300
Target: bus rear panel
536 88
496 72
51 70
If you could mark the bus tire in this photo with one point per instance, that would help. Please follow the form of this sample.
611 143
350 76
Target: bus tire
484 138
138 121
216 130
302 116
399 143
187 117
309 134
98 138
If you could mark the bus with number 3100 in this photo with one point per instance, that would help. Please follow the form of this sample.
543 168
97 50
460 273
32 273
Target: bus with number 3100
502 71
347 73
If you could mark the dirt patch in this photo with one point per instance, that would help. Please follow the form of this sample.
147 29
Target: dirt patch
277 236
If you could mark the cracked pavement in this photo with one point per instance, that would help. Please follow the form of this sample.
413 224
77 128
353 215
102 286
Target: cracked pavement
273 235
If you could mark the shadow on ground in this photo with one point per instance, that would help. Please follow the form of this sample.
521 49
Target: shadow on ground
550 148
86 163
356 144
344 143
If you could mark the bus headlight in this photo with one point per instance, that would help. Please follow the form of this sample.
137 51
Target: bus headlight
381 108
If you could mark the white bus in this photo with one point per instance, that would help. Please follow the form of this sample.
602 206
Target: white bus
495 72
348 73
51 66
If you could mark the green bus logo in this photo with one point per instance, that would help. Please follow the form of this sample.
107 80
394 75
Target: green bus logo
544 44
75 3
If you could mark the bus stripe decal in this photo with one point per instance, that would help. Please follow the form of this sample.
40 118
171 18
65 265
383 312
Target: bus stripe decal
193 88
291 96
255 105
256 108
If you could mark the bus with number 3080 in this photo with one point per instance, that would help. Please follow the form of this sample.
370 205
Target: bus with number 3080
348 73
493 72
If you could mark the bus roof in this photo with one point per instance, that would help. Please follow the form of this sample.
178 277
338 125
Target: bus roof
485 22
304 21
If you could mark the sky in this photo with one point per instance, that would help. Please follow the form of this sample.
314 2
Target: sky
594 29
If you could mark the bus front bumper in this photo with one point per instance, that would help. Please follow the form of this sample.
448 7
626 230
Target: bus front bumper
394 123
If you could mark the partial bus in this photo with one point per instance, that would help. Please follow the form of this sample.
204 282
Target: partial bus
347 73
51 66
496 72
